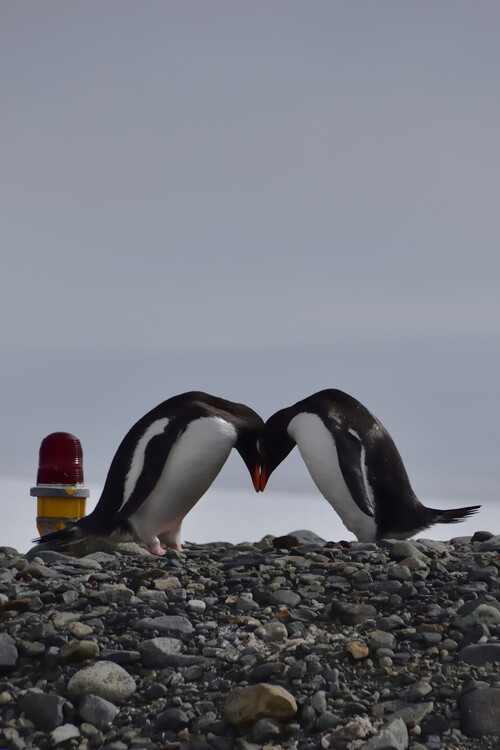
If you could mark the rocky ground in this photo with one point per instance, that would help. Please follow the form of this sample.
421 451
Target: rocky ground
285 643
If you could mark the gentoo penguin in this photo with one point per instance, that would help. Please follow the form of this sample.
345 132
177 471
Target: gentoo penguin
354 463
162 467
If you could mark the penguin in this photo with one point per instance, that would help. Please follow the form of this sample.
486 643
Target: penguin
163 466
355 465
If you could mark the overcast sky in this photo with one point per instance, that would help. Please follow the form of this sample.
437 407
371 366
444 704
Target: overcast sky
259 200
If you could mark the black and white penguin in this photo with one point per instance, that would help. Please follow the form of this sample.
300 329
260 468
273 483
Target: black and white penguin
163 466
354 463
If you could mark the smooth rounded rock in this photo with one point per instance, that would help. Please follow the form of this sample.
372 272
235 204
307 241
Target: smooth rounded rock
63 734
105 679
481 653
155 652
75 651
394 736
247 704
8 654
97 711
480 712
45 710
284 598
272 632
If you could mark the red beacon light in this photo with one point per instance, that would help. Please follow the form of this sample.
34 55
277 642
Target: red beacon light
60 490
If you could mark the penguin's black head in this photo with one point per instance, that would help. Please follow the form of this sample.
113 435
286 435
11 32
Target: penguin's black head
247 446
274 444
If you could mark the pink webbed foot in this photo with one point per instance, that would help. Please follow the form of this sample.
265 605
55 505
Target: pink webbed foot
156 549
174 545
171 539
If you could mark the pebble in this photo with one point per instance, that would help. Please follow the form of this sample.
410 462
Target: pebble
75 651
61 735
382 645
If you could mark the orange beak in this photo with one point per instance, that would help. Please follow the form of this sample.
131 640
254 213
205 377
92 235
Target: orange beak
256 477
263 478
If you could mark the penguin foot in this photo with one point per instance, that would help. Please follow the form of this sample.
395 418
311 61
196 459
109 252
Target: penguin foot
156 549
174 545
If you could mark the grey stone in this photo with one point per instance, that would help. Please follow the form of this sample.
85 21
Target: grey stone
12 739
327 720
265 730
412 713
391 622
298 538
105 679
173 719
481 536
490 545
381 639
430 639
193 673
435 725
284 598
400 573
97 711
115 593
8 654
352 614
45 710
187 660
272 632
75 651
120 656
480 712
419 690
483 614
479 654
474 635
458 541
166 624
402 549
155 651
62 734
433 546
318 701
393 736
245 605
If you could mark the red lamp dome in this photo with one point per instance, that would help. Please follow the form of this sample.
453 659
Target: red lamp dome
61 460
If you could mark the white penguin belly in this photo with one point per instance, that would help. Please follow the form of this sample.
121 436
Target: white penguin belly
319 452
191 467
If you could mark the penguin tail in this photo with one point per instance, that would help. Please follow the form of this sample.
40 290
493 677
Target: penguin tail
455 515
59 540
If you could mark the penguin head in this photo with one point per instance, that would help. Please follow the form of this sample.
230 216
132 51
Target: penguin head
274 444
247 446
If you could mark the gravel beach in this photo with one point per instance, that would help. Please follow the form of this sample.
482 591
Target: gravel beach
287 642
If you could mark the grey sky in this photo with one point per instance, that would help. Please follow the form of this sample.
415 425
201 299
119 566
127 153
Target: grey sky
257 199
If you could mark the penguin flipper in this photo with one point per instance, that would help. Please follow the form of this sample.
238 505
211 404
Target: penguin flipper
351 455
155 457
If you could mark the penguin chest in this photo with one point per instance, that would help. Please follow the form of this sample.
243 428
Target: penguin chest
318 449
190 468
